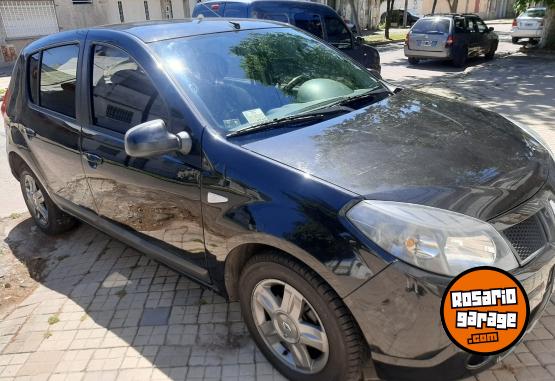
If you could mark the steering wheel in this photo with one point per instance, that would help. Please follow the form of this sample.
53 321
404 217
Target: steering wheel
298 79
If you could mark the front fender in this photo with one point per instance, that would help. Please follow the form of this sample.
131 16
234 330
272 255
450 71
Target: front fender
274 205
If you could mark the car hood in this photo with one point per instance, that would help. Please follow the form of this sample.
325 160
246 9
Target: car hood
418 148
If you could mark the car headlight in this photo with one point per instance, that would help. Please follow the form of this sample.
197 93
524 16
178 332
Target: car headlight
532 133
433 239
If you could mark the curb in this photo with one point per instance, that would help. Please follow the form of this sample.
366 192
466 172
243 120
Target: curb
381 43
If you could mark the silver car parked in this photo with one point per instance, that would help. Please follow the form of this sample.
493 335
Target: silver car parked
528 25
450 36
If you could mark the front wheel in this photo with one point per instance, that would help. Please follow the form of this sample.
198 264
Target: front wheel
299 323
491 52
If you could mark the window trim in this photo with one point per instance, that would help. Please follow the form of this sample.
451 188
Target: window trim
37 107
89 90
28 79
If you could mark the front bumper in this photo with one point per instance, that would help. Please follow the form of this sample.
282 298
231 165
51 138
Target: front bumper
526 33
398 312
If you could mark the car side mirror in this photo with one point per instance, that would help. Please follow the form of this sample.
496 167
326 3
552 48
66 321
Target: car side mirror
491 29
152 138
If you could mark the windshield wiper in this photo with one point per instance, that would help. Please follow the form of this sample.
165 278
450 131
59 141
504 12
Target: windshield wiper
355 98
306 117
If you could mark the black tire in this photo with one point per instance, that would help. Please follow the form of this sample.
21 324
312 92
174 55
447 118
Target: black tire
491 52
56 221
515 40
345 344
460 56
413 61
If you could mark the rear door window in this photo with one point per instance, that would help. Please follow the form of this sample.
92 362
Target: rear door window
58 79
122 94
311 22
432 26
471 25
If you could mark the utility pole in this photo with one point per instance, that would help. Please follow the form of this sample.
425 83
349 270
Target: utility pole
405 14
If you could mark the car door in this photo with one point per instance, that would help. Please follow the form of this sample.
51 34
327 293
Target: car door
158 198
486 37
50 123
474 38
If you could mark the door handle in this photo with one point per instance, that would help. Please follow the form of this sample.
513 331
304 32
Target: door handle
92 159
30 132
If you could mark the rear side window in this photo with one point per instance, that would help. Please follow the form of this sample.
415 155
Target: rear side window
122 94
33 77
58 79
432 26
311 22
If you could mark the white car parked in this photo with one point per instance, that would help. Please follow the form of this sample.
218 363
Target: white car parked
529 25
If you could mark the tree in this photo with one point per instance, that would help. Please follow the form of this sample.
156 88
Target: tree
453 5
388 9
355 14
434 7
548 36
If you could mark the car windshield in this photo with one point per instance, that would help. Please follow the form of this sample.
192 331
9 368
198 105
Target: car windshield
432 25
246 78
534 13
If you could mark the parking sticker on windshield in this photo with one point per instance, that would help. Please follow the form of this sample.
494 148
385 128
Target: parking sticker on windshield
255 115
485 310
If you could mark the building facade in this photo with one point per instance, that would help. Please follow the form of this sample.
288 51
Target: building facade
22 21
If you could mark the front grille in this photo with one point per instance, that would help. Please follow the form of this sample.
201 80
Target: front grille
527 236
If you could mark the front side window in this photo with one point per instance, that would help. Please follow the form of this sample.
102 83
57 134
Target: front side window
58 79
311 22
337 32
122 94
33 77
249 77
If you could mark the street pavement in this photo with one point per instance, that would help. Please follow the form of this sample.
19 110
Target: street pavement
103 311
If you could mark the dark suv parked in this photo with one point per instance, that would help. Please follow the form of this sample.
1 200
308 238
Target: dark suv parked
271 168
318 19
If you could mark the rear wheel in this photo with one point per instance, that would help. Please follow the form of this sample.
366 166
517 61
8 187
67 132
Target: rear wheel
515 40
48 217
298 321
460 56
413 60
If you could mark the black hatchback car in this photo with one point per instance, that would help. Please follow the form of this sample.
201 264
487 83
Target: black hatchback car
273 169
315 18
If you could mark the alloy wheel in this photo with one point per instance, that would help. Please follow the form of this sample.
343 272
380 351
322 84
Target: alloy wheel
35 200
290 326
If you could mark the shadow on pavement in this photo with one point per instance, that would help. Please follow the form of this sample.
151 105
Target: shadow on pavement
122 312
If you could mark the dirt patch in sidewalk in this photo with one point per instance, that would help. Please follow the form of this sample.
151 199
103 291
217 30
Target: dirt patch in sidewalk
23 260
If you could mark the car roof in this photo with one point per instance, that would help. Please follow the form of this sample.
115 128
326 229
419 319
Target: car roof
152 31
450 15
303 2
